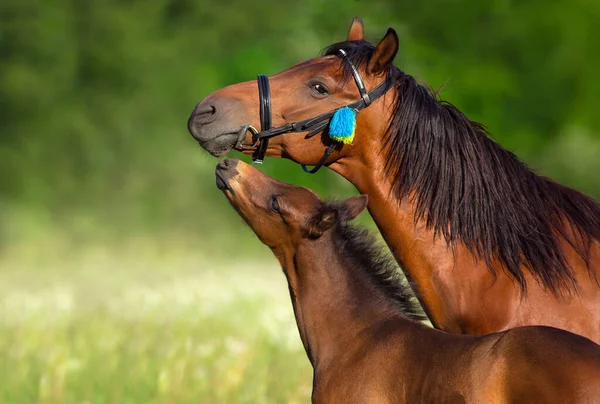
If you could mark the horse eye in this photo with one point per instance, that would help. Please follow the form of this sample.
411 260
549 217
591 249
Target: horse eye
274 204
320 89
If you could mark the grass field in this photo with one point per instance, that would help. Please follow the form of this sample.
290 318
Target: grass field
147 328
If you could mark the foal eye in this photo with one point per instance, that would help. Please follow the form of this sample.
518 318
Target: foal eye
319 88
274 204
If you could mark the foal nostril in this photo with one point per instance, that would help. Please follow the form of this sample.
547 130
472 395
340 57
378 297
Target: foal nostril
224 172
227 164
205 114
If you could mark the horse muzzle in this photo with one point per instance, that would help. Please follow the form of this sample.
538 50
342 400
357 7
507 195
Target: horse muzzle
216 124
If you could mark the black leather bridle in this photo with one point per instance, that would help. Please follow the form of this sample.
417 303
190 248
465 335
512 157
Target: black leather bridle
312 125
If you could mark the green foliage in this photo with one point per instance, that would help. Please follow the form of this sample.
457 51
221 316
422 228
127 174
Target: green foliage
95 95
220 335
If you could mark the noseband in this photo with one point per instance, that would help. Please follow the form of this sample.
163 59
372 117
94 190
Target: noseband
313 125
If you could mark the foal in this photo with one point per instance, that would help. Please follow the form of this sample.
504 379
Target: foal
359 323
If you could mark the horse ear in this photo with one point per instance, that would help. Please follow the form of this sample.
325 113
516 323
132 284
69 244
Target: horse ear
384 52
354 206
322 222
356 32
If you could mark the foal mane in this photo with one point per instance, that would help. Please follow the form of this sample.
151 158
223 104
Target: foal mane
373 260
469 189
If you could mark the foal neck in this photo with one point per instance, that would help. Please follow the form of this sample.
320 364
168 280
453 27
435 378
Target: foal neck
337 307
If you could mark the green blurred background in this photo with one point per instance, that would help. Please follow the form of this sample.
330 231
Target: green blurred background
125 277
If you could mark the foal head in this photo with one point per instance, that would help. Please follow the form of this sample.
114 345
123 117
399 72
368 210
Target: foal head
294 221
281 215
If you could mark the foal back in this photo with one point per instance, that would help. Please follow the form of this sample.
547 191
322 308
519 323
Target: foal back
546 365
532 364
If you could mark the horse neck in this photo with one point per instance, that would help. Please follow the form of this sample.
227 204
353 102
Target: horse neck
444 278
334 302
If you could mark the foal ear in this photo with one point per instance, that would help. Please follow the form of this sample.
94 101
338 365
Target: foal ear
384 52
356 32
321 223
354 206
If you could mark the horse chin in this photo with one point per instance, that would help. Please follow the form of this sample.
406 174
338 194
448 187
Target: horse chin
218 153
220 145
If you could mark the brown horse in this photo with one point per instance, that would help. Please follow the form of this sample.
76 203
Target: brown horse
357 319
487 243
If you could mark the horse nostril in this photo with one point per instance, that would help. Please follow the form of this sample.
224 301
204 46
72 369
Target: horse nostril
225 171
228 164
222 165
205 114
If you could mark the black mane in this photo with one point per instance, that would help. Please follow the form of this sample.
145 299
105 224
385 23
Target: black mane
469 189
373 260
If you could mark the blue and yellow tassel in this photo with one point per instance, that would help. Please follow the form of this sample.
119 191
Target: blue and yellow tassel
343 125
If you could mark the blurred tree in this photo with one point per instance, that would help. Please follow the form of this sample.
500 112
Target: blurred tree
95 95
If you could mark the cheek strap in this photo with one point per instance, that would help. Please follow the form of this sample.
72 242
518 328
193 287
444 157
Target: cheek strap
264 95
